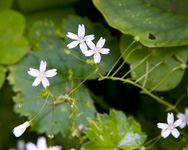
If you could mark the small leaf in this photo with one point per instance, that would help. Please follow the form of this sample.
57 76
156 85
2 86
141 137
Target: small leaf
122 132
165 57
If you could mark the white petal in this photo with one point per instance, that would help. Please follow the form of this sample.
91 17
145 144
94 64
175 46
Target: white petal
105 51
165 133
33 72
89 52
72 36
36 82
175 133
41 143
177 123
31 146
183 124
181 116
97 58
72 44
186 112
54 148
89 37
19 130
81 30
51 73
91 45
170 118
83 47
162 125
42 66
45 82
101 42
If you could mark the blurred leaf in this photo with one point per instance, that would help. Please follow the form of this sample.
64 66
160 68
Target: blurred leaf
6 4
114 131
159 23
157 55
12 45
2 76
33 5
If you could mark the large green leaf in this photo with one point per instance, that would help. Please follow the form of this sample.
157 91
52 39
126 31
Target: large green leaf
159 23
2 76
158 55
12 45
6 4
109 132
33 5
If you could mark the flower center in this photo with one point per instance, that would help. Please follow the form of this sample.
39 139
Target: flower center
82 39
42 75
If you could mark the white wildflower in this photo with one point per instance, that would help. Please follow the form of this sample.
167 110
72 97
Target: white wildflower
79 39
170 127
96 50
184 118
19 130
41 74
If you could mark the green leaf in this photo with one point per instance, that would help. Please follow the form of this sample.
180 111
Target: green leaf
122 132
2 76
163 72
159 23
33 5
12 45
6 4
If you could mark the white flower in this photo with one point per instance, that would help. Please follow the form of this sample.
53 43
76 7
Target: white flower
184 118
170 127
41 74
96 50
19 130
41 145
79 39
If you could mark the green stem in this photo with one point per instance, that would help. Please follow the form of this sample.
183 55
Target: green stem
153 141
52 123
124 61
145 91
136 66
147 68
31 99
120 57
40 110
78 57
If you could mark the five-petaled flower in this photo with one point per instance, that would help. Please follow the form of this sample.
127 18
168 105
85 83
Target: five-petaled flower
41 145
19 130
184 118
41 74
96 50
79 39
170 127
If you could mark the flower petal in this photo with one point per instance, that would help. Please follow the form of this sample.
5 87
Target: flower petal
186 112
177 123
19 130
105 51
91 45
165 133
81 30
43 65
101 42
51 73
97 58
175 133
170 118
72 44
36 82
55 148
183 124
31 146
45 82
33 72
89 52
181 116
72 36
89 37
41 143
162 125
83 47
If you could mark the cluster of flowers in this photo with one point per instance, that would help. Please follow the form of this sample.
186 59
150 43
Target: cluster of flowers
171 126
85 42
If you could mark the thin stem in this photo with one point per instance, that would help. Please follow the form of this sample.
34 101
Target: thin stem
78 57
120 57
147 68
82 82
136 66
31 99
40 109
154 140
174 69
149 71
145 91
124 61
52 123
